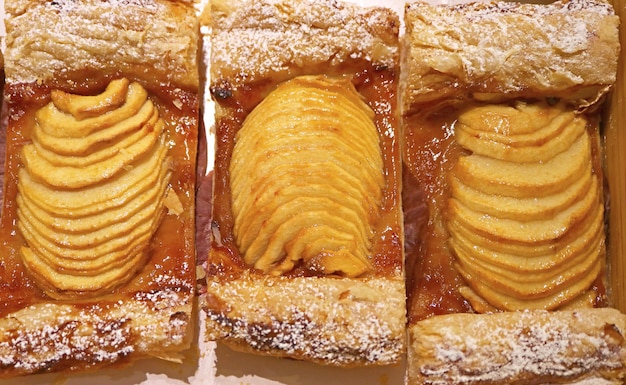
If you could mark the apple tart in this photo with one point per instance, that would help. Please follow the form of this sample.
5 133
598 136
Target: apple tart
505 224
98 219
306 256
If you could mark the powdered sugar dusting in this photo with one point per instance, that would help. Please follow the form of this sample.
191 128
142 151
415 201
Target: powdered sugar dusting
54 336
263 38
511 48
47 39
338 322
530 345
569 35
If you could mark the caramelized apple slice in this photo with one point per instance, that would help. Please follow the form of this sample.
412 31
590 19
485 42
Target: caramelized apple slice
525 219
284 196
82 239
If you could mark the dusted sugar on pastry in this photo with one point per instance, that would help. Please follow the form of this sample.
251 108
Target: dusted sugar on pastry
306 257
97 226
504 194
580 347
533 50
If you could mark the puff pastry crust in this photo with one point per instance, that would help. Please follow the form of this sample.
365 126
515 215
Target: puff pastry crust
584 345
486 49
70 65
311 308
472 72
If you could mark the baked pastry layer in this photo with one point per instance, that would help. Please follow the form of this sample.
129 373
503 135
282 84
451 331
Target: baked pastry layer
486 49
297 37
52 37
331 321
323 280
537 347
92 98
62 336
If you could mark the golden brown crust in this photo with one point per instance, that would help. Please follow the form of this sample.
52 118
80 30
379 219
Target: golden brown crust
531 51
297 36
48 38
329 320
153 43
64 337
338 321
519 348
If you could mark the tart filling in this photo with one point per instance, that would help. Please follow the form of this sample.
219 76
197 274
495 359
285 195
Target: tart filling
86 146
306 179
539 195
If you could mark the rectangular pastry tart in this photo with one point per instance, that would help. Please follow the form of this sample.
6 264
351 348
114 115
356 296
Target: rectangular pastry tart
306 256
97 229
504 193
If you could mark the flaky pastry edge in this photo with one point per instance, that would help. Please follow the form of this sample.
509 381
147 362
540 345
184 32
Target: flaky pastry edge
497 50
337 321
515 348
